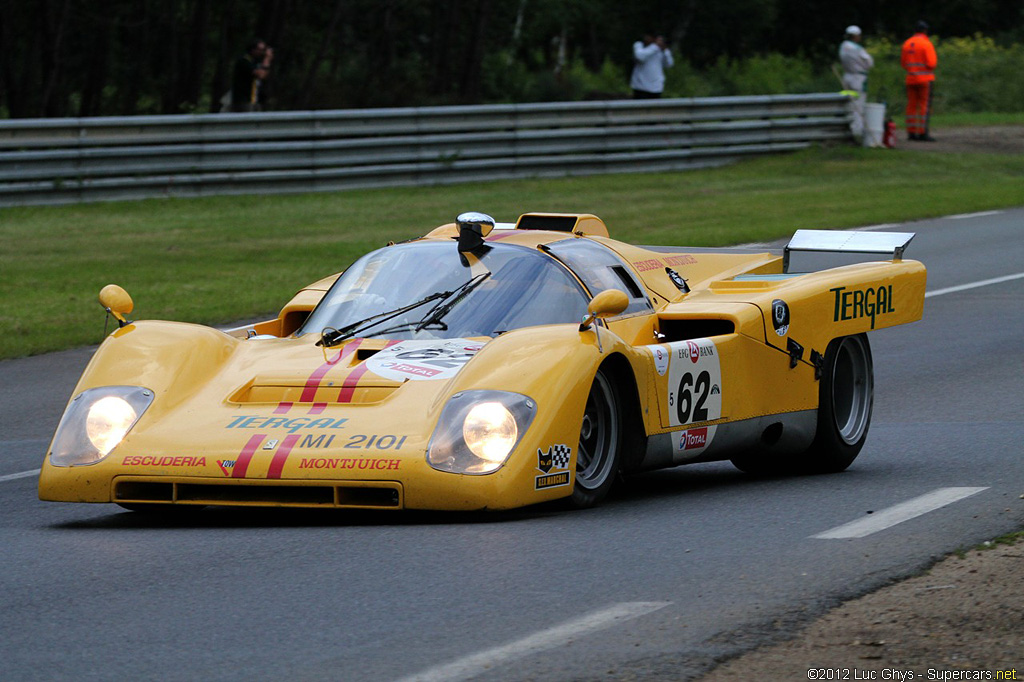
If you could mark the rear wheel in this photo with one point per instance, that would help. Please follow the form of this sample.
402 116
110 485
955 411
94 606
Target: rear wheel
846 398
600 445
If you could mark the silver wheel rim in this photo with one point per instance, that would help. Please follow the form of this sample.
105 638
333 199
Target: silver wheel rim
599 433
851 390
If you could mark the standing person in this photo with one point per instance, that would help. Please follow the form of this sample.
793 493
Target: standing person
250 71
651 57
919 60
856 63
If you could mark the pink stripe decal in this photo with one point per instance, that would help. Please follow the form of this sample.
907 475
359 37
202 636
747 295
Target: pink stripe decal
498 236
277 464
317 408
283 408
313 383
348 388
242 463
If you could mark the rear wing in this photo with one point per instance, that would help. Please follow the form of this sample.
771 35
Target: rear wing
840 241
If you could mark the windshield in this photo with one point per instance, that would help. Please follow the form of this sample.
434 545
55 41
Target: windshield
430 290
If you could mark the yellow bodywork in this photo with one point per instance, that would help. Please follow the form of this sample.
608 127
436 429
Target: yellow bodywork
277 421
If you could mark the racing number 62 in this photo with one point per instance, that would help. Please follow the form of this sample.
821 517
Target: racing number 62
685 402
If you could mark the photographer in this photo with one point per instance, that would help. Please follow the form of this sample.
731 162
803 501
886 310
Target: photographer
651 57
247 80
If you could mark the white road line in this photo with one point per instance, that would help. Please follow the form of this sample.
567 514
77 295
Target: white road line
979 214
545 640
21 474
898 513
973 285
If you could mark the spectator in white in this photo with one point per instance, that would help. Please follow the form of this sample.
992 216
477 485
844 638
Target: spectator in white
856 63
651 58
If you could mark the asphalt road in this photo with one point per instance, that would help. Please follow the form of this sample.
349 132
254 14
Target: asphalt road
684 567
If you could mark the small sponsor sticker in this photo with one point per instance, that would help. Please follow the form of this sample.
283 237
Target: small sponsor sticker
692 442
162 461
553 465
780 317
660 354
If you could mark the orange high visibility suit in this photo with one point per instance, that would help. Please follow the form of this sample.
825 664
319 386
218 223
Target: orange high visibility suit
919 61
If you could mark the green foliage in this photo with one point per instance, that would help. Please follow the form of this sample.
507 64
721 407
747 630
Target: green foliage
769 74
974 74
83 58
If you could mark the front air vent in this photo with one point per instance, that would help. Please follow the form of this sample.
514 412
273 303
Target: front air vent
349 495
305 496
680 330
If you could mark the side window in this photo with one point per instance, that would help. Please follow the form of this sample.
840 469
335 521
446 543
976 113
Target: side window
601 268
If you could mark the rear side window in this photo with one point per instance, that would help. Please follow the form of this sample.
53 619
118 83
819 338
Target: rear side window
601 268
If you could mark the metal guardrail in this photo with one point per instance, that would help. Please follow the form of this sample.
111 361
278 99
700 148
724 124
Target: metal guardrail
56 161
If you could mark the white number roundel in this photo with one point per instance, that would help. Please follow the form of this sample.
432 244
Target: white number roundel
694 382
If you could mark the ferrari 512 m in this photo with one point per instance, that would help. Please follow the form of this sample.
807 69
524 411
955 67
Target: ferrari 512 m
492 366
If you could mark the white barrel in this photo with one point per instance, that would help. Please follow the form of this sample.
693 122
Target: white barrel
874 124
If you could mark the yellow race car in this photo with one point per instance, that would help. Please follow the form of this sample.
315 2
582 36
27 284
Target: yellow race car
492 366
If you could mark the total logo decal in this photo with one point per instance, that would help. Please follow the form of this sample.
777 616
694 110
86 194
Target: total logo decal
694 382
692 442
554 467
423 360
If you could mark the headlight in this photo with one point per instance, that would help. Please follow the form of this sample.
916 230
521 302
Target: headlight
95 422
490 431
108 421
478 430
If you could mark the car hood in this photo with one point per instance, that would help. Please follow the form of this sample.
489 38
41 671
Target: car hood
360 371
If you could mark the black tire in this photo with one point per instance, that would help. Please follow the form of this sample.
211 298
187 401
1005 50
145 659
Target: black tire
845 401
600 447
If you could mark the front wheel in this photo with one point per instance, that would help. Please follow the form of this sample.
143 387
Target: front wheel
845 401
600 446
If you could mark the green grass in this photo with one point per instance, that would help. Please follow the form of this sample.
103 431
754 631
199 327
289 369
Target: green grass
219 259
986 119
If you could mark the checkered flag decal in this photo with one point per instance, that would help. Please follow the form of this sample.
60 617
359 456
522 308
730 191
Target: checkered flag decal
560 456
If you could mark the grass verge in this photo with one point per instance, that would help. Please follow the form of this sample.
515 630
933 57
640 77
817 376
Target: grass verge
973 119
227 258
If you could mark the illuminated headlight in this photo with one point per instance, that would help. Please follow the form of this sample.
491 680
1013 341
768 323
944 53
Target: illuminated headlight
478 430
95 422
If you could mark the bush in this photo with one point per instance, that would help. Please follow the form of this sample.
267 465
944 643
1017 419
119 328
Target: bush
973 75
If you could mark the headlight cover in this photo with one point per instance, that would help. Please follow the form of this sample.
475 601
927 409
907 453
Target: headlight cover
95 422
478 430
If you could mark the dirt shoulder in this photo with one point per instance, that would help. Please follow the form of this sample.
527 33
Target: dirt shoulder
963 619
1001 139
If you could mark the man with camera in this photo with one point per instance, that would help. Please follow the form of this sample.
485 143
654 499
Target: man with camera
250 71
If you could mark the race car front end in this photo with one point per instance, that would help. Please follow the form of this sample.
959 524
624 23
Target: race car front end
373 423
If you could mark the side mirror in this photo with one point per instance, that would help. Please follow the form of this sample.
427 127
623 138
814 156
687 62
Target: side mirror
608 303
117 302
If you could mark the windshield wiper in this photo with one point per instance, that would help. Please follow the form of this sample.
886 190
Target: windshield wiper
330 337
433 318
443 308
